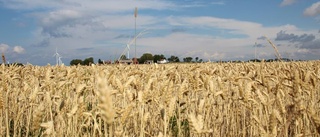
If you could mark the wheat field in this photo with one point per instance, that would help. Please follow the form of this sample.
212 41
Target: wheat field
175 100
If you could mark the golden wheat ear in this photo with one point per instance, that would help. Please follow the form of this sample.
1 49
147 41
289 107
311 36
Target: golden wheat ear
37 118
105 100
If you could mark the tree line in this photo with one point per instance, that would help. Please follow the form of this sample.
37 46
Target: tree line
86 62
145 57
158 57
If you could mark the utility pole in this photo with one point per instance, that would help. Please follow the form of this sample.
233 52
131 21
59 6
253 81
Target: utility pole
135 33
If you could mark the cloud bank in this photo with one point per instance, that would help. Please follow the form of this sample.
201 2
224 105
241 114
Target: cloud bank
4 48
81 28
283 36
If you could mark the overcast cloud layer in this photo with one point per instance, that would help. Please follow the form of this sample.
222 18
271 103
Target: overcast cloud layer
210 30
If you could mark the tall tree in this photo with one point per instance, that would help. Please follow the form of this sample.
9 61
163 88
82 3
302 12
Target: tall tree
197 58
88 61
184 59
100 61
158 57
145 56
174 59
76 62
187 59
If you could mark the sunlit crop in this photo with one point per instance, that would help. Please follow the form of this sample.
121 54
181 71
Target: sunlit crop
205 99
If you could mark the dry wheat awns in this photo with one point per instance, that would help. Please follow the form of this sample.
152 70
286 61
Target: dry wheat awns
165 100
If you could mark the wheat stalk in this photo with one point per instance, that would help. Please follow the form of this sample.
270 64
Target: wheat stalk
105 100
212 99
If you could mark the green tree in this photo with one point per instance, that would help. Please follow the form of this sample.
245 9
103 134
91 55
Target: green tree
145 56
187 59
197 58
158 57
100 61
174 59
76 62
88 61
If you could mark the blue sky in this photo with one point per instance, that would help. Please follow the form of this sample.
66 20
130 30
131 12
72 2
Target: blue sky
30 31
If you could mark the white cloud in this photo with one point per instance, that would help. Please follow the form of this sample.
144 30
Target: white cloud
203 46
4 48
53 22
60 16
111 15
305 51
230 26
313 10
18 49
214 56
95 25
216 46
287 2
99 33
126 21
